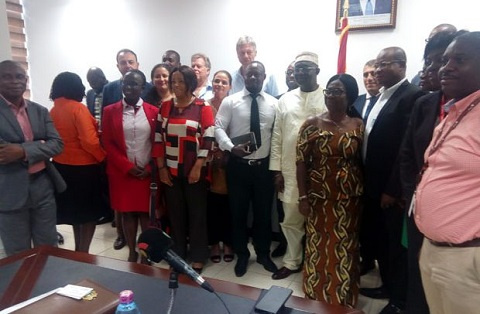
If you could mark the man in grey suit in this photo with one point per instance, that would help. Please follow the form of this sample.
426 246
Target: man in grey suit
28 140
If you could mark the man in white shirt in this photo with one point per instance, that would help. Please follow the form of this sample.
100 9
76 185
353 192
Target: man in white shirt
384 212
246 53
248 178
294 108
201 65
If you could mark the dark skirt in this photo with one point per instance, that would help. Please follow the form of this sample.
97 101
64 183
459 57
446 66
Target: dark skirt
82 201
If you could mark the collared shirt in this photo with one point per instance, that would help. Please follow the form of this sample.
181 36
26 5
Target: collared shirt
294 107
367 102
238 84
206 92
385 94
447 207
233 119
137 132
21 114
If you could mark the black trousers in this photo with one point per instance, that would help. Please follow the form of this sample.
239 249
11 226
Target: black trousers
250 185
187 209
219 219
381 232
416 302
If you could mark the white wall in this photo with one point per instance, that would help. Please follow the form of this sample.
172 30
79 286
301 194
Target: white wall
72 35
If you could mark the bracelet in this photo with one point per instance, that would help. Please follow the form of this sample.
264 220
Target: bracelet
303 197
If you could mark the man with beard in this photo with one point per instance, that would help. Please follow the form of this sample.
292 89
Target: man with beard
294 108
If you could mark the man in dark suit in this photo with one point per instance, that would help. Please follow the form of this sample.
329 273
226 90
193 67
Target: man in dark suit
365 102
126 61
28 140
97 80
384 211
359 7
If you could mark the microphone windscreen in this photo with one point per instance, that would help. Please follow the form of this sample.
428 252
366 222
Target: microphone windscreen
154 242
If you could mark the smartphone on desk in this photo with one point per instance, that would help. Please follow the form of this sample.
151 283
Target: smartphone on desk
273 300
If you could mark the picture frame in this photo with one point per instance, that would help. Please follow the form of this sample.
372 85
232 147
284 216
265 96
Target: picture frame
384 14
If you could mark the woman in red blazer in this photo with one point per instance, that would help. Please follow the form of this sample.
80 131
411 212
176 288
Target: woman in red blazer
128 137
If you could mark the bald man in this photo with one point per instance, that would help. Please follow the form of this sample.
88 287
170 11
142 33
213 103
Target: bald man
383 213
441 28
97 80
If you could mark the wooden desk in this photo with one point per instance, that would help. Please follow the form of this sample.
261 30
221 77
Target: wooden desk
39 270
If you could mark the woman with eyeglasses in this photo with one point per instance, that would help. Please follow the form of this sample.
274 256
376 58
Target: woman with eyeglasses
128 137
219 217
330 185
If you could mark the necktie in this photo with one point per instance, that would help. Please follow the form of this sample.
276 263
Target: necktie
255 120
371 103
369 8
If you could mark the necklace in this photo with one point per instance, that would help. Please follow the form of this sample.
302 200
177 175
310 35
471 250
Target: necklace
335 123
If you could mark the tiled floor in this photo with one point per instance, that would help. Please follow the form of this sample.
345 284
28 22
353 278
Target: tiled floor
256 276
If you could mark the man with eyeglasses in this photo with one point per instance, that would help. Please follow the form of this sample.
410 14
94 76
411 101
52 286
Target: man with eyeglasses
112 93
294 108
441 28
384 212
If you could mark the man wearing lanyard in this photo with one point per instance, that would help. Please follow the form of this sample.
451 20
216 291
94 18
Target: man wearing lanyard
28 140
249 179
447 205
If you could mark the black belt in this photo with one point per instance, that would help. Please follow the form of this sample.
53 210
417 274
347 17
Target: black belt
252 162
35 175
469 243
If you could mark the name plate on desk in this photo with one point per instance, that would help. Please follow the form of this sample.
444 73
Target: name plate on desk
105 302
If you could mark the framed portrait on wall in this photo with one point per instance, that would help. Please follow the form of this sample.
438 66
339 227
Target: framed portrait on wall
367 14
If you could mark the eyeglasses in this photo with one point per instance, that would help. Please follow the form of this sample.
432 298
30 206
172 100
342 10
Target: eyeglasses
304 69
333 92
385 64
289 72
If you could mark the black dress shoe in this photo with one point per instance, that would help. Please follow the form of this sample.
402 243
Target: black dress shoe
391 308
284 272
119 243
280 250
366 267
241 266
375 293
267 263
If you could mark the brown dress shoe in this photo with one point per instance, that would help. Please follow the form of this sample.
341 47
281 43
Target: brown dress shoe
284 272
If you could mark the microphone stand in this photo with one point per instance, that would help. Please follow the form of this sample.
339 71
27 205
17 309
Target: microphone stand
173 285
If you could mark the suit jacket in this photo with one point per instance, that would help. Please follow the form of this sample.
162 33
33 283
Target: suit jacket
112 92
381 7
14 177
91 101
416 140
384 140
358 105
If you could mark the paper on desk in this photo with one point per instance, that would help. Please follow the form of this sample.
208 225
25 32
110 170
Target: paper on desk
74 291
18 306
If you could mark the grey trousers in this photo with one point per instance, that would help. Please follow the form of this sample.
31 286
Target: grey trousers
34 222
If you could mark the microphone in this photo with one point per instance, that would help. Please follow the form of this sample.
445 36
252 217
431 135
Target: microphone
155 245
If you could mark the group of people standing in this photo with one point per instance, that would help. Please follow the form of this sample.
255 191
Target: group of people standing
345 167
